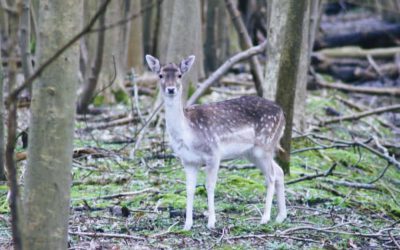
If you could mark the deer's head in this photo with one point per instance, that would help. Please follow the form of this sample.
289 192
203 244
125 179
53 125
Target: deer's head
170 75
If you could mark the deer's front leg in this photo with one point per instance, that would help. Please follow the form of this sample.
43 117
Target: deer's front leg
212 174
191 178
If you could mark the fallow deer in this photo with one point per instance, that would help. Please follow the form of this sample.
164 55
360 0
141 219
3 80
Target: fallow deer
248 126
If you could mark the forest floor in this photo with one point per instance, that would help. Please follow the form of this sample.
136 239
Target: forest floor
135 200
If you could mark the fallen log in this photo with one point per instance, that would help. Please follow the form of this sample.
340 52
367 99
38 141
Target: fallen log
386 36
389 91
350 70
357 52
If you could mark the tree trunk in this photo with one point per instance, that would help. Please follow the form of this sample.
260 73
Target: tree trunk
287 70
135 46
2 115
93 68
276 31
112 74
51 133
310 25
180 36
216 44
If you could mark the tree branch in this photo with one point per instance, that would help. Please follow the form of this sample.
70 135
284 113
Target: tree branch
310 177
224 68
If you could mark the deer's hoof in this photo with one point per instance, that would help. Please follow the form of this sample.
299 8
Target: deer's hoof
264 220
281 217
188 226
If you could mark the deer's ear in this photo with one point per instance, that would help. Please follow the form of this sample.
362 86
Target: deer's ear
186 64
154 63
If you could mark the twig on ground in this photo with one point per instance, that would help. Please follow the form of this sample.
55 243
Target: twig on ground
165 232
244 166
115 123
106 235
360 115
119 195
363 90
381 174
310 177
352 184
394 240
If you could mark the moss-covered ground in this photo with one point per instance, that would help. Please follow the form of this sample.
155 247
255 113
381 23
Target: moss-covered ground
148 209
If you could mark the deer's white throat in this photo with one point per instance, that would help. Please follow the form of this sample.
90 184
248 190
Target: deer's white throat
179 132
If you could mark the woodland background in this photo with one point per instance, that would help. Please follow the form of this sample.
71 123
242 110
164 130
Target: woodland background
84 160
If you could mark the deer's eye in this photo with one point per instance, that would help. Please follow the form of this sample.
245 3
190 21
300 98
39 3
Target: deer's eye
180 76
161 76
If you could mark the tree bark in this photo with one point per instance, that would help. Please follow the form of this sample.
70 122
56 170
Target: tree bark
48 174
216 44
25 40
112 74
92 75
276 31
305 56
2 115
180 36
135 46
286 74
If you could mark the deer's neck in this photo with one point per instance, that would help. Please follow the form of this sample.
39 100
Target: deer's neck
177 124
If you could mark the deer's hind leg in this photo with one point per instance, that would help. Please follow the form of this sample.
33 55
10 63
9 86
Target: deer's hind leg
264 162
280 192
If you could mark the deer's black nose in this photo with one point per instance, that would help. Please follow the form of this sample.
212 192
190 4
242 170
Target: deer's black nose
171 91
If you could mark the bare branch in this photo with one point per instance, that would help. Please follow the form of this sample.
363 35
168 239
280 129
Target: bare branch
310 177
224 68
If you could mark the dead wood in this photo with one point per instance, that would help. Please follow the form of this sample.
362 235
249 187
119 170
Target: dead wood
77 153
385 36
352 184
310 177
125 194
115 123
106 235
363 90
357 52
352 70
224 68
360 115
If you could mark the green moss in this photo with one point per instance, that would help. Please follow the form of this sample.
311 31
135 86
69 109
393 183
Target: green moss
246 185
173 200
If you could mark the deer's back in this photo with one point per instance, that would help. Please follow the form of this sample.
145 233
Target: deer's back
253 118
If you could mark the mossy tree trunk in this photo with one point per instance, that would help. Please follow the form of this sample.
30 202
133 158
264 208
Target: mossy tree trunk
284 75
51 133
180 36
